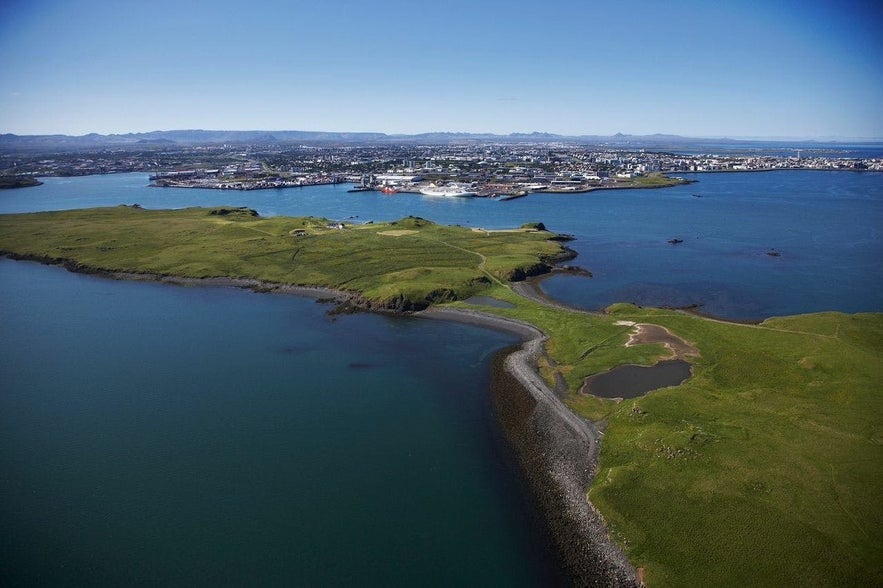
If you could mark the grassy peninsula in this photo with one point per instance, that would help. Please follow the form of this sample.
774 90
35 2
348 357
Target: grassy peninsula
401 265
764 468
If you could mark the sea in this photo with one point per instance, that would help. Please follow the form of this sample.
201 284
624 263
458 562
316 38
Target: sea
169 435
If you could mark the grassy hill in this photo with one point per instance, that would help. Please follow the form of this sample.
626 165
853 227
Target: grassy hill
405 264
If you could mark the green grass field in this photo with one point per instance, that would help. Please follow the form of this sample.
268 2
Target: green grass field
411 259
764 468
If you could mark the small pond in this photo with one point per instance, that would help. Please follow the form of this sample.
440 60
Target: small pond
631 381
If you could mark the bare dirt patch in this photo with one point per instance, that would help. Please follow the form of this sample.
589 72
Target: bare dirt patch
644 333
398 233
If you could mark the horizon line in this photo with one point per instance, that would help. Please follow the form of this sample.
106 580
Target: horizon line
721 137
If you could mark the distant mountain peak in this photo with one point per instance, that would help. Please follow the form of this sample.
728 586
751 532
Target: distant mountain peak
11 141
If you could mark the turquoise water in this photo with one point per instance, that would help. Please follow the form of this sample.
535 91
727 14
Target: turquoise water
162 435
825 225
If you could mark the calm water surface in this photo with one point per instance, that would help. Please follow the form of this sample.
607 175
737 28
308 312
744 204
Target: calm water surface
175 436
631 381
825 225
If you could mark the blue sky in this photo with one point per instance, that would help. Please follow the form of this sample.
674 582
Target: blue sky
695 68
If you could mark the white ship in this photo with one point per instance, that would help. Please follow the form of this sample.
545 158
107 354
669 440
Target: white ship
449 190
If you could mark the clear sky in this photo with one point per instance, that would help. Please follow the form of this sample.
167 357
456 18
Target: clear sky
740 68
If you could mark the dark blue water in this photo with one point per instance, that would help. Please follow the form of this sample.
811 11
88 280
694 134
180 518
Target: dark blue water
825 225
162 435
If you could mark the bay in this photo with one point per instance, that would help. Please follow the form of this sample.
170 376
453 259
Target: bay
825 228
163 435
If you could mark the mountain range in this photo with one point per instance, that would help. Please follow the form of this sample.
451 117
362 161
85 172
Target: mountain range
10 142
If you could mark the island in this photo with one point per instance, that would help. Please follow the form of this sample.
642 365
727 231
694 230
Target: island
762 466
7 182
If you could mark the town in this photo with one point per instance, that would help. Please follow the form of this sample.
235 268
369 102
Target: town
489 169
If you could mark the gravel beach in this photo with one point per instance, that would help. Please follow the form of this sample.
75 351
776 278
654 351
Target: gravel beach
558 452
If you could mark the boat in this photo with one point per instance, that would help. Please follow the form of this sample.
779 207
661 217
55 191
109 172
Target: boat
387 190
675 241
448 191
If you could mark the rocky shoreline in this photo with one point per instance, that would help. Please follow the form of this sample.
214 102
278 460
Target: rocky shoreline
558 453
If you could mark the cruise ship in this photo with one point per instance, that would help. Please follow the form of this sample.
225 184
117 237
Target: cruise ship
449 190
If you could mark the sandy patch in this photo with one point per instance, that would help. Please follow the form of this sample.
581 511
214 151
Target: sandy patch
398 233
644 333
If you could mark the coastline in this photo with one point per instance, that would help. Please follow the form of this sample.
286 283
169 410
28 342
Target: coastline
259 286
600 188
556 449
530 289
558 452
775 169
242 186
